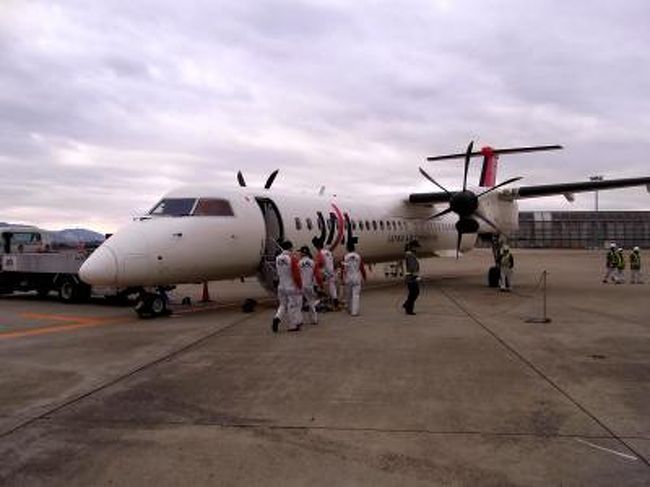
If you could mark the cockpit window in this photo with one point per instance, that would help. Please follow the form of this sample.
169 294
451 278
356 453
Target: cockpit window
213 207
174 207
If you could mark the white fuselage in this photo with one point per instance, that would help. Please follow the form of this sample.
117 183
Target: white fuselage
160 249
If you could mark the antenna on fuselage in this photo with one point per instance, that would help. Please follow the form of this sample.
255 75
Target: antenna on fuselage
270 179
267 185
240 179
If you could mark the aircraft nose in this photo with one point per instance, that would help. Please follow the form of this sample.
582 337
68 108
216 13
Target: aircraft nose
100 269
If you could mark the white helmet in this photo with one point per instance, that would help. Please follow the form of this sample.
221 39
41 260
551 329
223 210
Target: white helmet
612 245
506 248
636 249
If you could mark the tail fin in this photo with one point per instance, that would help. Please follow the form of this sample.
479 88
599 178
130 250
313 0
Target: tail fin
489 170
490 158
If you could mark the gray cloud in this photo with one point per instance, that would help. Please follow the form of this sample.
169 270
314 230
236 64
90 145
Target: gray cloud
106 105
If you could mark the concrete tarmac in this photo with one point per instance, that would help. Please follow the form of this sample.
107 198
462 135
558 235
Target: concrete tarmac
467 392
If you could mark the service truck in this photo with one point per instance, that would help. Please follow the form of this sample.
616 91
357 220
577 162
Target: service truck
31 260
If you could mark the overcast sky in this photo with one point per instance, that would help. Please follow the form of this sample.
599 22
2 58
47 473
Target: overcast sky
106 105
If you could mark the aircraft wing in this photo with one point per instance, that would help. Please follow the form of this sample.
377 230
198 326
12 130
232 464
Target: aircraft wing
524 192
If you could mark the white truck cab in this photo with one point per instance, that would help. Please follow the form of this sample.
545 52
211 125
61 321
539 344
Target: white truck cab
19 239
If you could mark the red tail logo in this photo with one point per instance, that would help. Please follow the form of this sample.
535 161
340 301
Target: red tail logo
489 171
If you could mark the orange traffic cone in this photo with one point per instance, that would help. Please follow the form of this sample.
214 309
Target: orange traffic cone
206 293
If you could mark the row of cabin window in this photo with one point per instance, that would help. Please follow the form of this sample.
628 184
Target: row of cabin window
390 225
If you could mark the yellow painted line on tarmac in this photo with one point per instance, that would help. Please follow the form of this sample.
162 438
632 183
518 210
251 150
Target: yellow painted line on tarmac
66 323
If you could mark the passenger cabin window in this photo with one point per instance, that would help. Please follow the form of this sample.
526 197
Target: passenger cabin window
381 225
309 223
173 207
213 207
298 224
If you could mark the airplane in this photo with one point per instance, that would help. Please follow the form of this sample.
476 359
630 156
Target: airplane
196 234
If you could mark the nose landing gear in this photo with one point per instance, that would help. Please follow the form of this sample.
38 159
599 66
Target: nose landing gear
152 304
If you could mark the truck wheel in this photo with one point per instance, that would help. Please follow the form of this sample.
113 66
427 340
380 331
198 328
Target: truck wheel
493 276
68 291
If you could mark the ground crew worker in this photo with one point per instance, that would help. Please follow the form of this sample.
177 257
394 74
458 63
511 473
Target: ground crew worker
506 264
610 264
620 266
309 295
289 289
411 276
354 273
635 266
324 271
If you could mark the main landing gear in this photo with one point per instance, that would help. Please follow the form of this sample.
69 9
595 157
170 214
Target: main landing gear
152 304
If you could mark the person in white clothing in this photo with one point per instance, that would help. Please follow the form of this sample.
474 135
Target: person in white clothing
289 289
354 273
306 265
324 272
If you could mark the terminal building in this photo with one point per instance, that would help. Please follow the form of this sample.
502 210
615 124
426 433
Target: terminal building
582 229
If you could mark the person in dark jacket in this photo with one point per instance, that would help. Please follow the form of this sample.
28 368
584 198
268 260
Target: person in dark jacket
411 276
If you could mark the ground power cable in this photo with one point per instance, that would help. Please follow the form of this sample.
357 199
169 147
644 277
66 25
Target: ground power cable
541 374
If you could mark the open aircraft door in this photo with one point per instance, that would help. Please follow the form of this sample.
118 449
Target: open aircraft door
274 228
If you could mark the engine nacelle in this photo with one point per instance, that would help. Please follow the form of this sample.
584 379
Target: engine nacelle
504 213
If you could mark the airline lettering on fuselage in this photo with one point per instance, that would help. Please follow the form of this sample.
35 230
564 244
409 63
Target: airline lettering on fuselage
333 231
339 221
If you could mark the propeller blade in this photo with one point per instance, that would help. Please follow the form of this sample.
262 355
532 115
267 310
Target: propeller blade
270 179
481 216
511 180
444 212
240 179
468 156
460 236
424 173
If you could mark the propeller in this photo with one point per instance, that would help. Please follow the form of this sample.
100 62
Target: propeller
267 185
465 203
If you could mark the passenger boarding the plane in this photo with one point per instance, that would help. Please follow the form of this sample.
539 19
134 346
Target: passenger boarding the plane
289 289
306 265
324 271
354 273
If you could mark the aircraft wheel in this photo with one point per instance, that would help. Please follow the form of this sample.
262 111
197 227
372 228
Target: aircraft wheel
158 305
493 276
150 305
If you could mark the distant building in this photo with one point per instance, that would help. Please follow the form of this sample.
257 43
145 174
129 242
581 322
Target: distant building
582 229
